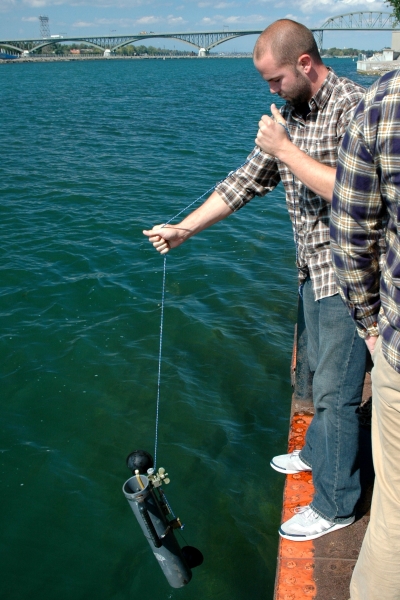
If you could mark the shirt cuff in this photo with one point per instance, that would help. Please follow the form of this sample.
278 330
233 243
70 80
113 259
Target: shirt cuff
233 194
368 326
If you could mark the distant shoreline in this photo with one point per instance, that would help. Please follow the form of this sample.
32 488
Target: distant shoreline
29 59
74 58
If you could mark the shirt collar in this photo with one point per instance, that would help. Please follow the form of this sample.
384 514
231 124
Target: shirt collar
322 96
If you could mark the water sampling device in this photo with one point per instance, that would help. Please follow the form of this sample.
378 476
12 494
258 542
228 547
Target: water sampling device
151 508
144 492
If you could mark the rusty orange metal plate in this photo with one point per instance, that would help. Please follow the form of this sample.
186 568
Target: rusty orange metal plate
295 573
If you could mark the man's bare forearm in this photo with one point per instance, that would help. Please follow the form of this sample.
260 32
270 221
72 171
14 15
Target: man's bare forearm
214 209
317 177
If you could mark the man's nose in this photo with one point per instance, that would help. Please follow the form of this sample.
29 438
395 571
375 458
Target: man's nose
274 88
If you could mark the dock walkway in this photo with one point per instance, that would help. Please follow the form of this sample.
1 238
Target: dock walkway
319 569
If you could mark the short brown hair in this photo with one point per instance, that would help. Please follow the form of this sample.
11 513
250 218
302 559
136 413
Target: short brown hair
286 40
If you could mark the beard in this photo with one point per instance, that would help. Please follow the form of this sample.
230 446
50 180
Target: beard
301 91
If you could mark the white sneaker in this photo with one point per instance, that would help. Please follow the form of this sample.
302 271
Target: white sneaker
289 463
309 525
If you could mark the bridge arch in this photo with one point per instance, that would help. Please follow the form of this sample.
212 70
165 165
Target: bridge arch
195 40
362 20
357 21
231 37
126 43
10 47
63 39
149 37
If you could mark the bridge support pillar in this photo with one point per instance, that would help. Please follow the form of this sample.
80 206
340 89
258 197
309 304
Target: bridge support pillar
319 38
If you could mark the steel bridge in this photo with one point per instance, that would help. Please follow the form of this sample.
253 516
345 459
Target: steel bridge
357 21
205 41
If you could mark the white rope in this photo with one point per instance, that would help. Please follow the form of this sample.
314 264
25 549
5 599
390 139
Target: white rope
163 302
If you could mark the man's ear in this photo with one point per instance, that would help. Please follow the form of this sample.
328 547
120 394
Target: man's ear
304 63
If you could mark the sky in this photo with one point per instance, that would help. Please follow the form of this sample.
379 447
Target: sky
19 19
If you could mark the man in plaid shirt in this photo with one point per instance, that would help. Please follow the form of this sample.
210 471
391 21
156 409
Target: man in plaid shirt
299 147
365 212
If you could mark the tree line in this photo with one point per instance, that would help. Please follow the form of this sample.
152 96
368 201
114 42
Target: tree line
352 52
129 50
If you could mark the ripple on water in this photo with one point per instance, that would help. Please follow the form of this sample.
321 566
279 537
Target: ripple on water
94 153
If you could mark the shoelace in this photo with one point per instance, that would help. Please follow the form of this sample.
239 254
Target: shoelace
309 513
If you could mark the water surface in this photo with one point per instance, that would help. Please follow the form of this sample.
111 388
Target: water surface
92 153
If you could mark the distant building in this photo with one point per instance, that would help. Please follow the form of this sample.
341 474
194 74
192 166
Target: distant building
381 62
396 41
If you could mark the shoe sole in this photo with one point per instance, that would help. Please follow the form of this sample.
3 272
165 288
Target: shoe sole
304 538
288 471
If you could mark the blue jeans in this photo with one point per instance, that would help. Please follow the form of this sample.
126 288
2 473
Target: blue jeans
337 356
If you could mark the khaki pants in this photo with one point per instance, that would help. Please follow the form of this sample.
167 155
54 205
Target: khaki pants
377 572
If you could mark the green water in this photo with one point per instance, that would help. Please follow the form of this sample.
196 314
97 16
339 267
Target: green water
92 153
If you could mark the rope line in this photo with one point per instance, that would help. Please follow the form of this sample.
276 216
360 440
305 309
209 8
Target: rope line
296 237
296 233
159 360
211 189
163 299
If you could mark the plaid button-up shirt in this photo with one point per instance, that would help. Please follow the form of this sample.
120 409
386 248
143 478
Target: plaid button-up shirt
319 134
366 215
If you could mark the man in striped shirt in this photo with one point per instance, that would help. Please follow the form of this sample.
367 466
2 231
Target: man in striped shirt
303 155
365 230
